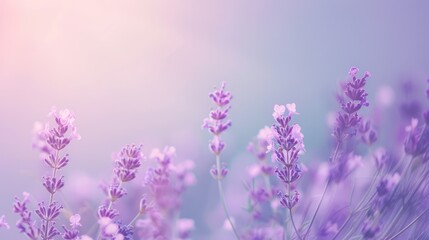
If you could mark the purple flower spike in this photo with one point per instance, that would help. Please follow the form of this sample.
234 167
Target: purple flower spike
288 146
25 224
51 140
217 122
127 162
355 97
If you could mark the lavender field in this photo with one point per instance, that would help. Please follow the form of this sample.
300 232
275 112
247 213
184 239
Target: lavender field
229 120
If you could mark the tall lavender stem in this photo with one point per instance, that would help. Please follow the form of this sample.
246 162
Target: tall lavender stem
288 146
57 138
346 127
216 124
222 198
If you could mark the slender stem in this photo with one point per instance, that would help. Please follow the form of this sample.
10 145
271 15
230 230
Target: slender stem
357 206
334 156
51 196
267 184
293 224
222 198
409 225
318 207
134 219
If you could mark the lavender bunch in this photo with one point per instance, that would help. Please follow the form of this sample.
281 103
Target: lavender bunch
126 164
262 193
217 123
287 148
57 138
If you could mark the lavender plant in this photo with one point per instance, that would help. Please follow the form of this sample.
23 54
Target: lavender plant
165 185
57 138
368 189
126 164
217 123
288 146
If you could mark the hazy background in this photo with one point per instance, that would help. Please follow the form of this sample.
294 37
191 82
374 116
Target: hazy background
140 71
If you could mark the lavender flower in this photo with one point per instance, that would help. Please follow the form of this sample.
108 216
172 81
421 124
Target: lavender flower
165 184
289 145
25 223
353 100
217 123
51 140
126 164
58 138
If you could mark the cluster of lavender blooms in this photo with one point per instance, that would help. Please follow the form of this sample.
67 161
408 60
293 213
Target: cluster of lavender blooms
363 188
165 183
158 207
126 163
55 139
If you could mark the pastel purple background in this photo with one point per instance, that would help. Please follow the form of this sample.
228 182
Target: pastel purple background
139 71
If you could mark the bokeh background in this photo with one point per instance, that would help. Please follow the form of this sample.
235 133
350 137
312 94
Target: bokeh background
140 71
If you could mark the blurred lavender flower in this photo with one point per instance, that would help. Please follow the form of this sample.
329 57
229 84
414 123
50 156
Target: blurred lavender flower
165 185
352 101
25 223
3 222
184 228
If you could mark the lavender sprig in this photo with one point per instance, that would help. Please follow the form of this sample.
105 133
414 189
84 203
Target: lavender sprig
58 138
217 123
353 98
165 185
25 223
126 164
288 146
